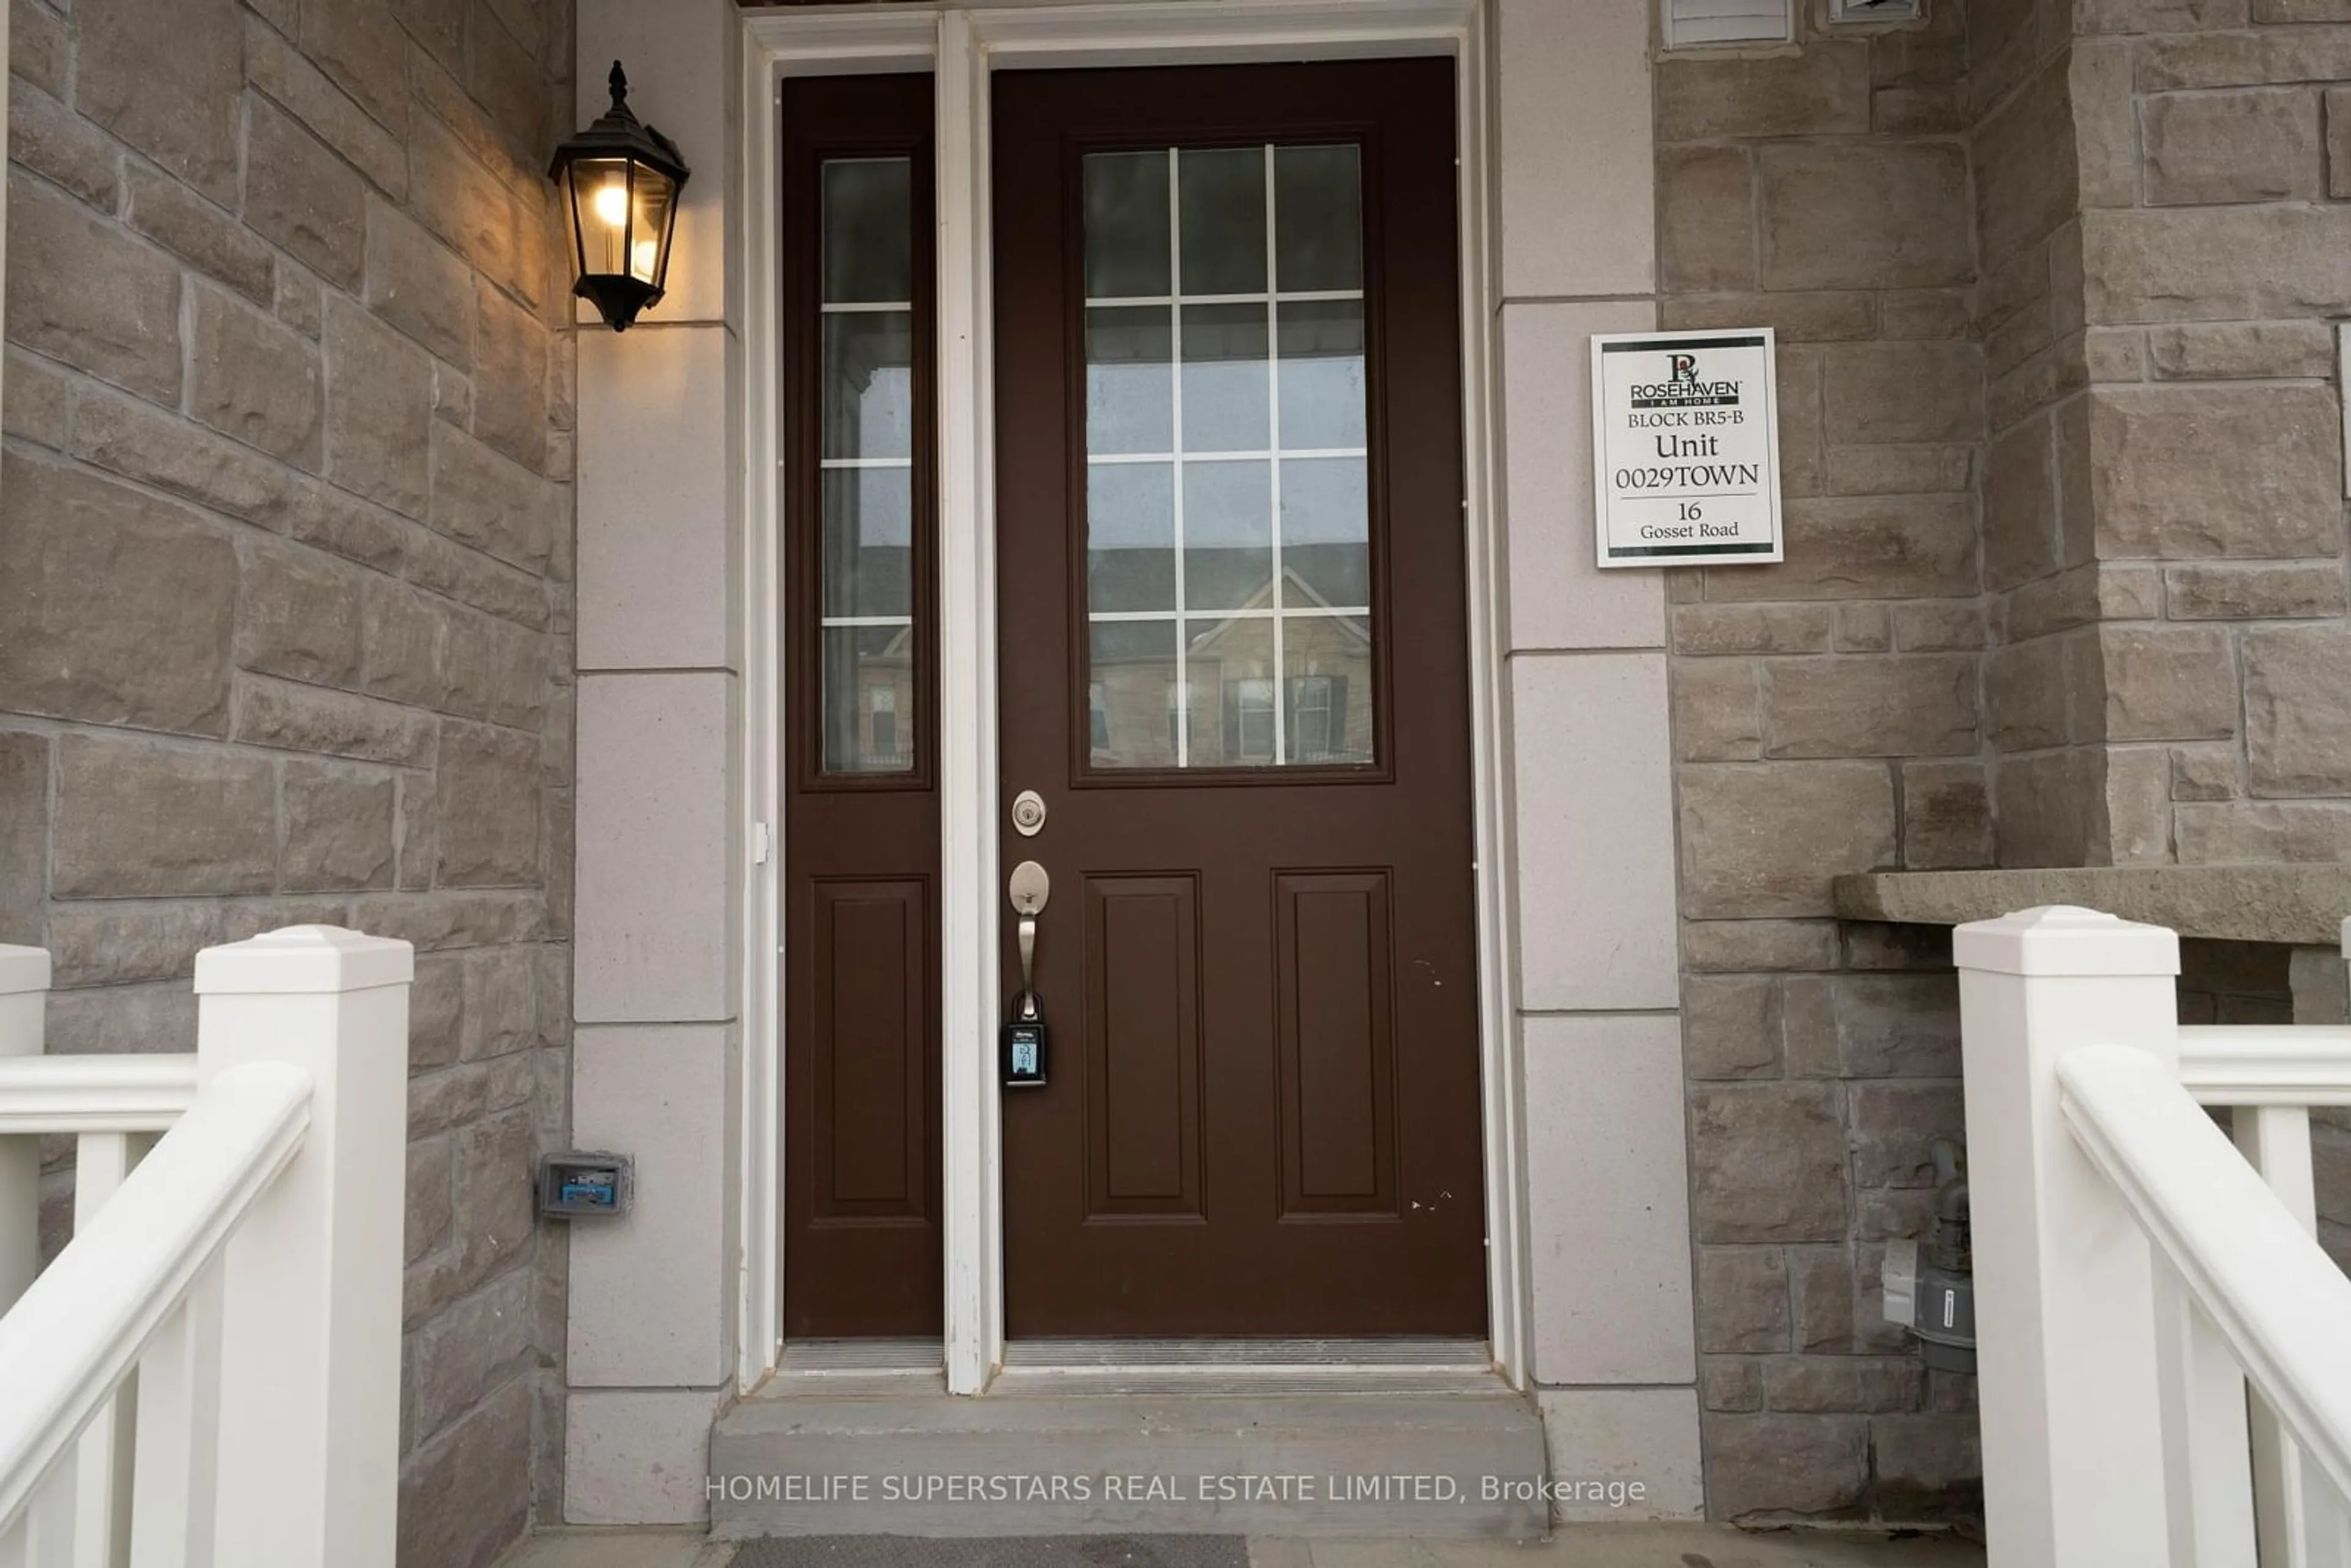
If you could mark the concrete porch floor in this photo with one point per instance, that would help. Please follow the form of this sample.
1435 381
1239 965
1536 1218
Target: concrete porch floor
1583 1546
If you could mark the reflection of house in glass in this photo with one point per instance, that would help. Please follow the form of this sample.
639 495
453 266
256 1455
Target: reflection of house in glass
1216 706
875 732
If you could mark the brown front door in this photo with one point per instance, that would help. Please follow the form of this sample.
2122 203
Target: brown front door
1233 663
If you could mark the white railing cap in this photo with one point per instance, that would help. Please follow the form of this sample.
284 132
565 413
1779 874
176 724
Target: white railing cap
95 1094
2346 939
23 970
2060 939
305 958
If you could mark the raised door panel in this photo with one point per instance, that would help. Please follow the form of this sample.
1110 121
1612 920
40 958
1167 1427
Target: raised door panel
1142 1046
871 1047
1336 1037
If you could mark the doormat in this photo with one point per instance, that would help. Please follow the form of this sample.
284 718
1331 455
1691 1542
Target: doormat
995 1551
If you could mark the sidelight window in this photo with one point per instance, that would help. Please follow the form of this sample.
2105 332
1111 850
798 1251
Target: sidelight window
866 397
1228 491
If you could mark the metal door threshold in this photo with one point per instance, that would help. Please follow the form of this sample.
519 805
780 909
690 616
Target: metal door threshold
858 1369
1246 1366
889 1368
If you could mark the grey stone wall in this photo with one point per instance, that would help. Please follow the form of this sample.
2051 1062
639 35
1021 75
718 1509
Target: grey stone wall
1828 719
2165 494
2067 266
2045 589
2214 147
285 603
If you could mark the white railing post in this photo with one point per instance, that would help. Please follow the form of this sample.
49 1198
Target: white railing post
102 1163
2275 1141
310 1372
2066 1296
23 1003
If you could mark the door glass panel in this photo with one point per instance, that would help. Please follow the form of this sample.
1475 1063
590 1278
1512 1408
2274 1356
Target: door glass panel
869 384
869 698
1223 218
869 545
1127 218
1228 501
869 251
1227 379
1322 374
1130 398
1320 241
1229 664
1326 533
866 376
1326 693
1137 693
1227 535
1131 555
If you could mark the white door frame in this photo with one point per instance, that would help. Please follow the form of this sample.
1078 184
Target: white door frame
963 45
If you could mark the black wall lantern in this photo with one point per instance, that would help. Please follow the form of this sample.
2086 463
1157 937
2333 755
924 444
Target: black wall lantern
620 179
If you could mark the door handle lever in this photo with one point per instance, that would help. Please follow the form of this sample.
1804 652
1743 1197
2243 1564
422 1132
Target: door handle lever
1030 889
1024 1030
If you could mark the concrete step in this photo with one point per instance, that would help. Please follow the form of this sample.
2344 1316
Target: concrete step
1310 1464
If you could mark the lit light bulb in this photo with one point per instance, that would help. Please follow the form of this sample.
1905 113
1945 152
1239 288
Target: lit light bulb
612 202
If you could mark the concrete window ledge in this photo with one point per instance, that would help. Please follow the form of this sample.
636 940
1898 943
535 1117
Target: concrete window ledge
2300 905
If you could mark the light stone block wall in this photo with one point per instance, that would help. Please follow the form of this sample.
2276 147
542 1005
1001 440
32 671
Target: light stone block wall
2063 797
2201 435
659 961
1592 821
2069 261
286 551
2167 478
1827 718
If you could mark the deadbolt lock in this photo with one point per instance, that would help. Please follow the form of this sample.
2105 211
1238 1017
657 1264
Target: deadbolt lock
1028 814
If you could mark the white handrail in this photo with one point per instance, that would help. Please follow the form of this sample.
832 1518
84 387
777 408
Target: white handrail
2266 1064
95 1094
78 1332
2278 1299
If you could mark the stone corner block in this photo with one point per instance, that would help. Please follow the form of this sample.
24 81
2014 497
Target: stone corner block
1608 1171
1595 843
1575 76
637 1457
1627 1437
656 885
656 528
649 1290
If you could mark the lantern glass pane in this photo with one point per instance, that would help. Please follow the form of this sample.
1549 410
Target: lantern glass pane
570 189
655 199
599 207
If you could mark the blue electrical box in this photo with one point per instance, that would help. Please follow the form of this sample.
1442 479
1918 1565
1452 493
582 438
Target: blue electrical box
580 1185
